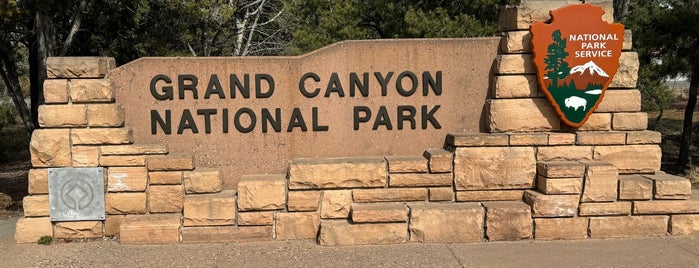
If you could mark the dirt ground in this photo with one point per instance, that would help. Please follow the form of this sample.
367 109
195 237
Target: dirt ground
13 182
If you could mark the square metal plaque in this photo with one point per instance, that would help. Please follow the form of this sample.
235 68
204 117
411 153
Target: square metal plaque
76 194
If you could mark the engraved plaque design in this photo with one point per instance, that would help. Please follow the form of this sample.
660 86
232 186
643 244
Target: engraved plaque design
76 194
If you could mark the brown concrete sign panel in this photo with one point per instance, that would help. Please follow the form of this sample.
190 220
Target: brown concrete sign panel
251 115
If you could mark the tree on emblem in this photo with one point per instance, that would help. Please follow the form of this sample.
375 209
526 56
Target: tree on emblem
555 56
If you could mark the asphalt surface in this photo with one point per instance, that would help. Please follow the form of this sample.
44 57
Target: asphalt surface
635 252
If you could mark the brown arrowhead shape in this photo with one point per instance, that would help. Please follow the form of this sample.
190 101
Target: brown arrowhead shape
576 56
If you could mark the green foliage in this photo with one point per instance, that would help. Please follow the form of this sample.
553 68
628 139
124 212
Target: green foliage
317 23
45 240
555 60
13 138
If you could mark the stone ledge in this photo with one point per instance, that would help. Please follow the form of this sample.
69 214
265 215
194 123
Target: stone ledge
79 67
150 229
341 233
133 149
345 172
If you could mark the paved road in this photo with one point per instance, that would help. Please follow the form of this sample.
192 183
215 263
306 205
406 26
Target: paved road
639 252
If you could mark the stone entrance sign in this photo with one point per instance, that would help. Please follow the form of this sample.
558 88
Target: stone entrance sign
361 98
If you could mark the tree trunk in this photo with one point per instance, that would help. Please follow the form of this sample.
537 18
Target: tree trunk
42 46
686 140
10 76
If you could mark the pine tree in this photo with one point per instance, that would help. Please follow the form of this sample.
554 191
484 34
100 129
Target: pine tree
555 59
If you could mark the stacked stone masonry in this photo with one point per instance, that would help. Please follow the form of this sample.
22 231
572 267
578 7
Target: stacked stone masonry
529 177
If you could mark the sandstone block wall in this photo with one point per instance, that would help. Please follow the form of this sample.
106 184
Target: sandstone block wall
528 178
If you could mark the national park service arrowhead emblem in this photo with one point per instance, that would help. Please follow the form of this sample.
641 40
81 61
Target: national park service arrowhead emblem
576 56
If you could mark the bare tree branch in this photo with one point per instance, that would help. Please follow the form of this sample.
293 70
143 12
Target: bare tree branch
77 19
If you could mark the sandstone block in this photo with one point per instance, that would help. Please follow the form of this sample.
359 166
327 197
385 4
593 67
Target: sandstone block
628 100
328 173
165 198
507 221
62 116
627 74
521 16
210 209
150 229
516 42
548 206
29 230
643 137
560 228
524 139
336 204
684 224
630 121
123 160
597 122
380 212
226 234
389 195
440 194
55 91
502 195
406 164
553 186
560 169
521 115
262 192
440 160
419 179
561 139
666 186
133 149
78 229
112 224
78 67
666 207
601 182
256 218
85 156
36 205
170 162
514 64
105 115
127 179
38 181
446 222
601 138
341 233
165 177
101 136
297 225
605 209
90 90
303 200
631 159
125 203
492 168
628 37
201 181
477 139
635 187
515 86
628 226
50 148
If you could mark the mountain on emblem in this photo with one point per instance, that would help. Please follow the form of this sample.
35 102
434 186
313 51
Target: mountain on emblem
576 56
591 66
587 76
